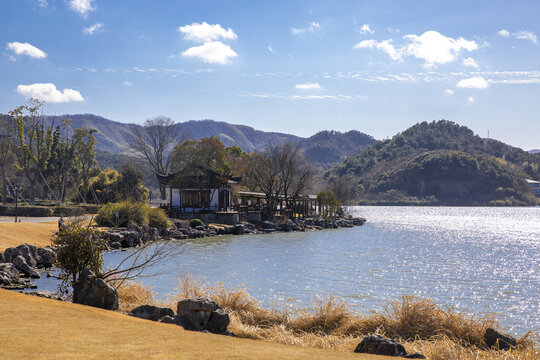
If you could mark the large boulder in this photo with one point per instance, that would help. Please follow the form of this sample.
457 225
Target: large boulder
268 225
286 226
495 339
22 266
9 275
93 291
2 259
10 254
150 312
202 314
376 344
30 254
238 229
46 257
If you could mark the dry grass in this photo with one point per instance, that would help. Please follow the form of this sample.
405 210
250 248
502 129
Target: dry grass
439 333
14 234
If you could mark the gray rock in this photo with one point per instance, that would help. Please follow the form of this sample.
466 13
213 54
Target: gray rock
150 312
9 275
495 339
378 345
238 229
22 266
29 252
202 314
170 320
2 259
10 254
154 233
128 242
116 237
286 226
46 257
218 322
115 245
93 291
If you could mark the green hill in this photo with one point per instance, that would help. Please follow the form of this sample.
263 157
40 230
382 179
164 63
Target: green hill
440 163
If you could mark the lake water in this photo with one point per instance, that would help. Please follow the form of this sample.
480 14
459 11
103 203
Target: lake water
478 260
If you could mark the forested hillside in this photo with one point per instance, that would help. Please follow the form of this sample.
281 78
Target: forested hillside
412 167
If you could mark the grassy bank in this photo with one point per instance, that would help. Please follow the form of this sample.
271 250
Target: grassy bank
37 328
14 234
420 325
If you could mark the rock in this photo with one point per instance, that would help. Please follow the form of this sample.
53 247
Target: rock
45 294
153 233
9 275
2 259
495 339
170 320
29 252
22 266
93 291
358 221
10 254
202 314
238 229
268 225
135 228
128 242
414 356
46 257
285 227
115 245
375 344
116 237
218 322
150 312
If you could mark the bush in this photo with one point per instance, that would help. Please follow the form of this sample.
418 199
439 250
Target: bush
137 212
195 222
68 211
34 211
158 218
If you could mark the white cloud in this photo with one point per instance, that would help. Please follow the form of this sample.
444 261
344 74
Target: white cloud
269 48
476 82
214 52
97 27
43 3
313 26
526 35
504 33
449 92
48 92
205 32
366 29
82 7
470 62
435 48
26 49
308 86
432 47
127 83
470 99
384 46
304 97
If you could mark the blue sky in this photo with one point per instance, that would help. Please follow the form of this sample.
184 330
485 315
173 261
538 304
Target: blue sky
289 66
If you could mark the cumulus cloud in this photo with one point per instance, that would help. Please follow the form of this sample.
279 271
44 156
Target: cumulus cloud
269 48
127 83
97 27
205 32
214 52
449 92
432 47
476 82
384 46
470 99
48 92
308 86
313 26
503 33
526 35
470 62
366 29
26 49
43 3
82 7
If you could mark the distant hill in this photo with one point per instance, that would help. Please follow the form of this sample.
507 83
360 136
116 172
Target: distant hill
440 163
324 149
534 151
329 147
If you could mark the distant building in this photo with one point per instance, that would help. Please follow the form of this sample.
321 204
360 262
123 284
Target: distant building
534 186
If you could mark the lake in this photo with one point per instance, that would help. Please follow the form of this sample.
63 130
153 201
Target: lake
478 260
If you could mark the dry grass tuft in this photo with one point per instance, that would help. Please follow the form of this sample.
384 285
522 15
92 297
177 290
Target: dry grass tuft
423 326
131 295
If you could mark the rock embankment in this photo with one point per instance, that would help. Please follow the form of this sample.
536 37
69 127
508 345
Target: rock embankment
20 264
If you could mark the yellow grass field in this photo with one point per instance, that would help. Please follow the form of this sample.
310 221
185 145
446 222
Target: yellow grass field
37 328
39 234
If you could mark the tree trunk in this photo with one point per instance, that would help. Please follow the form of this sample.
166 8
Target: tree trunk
63 193
163 191
4 185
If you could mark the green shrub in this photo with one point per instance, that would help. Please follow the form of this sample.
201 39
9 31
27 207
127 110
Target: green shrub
91 208
195 222
68 211
158 218
137 212
33 211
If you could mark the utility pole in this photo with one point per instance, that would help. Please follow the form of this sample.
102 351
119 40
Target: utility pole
17 188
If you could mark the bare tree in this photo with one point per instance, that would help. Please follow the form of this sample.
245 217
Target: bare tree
154 141
6 154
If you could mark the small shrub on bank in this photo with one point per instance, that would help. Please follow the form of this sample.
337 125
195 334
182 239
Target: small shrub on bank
195 222
139 213
26 210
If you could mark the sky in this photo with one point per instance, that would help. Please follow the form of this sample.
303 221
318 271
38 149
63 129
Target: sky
290 66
